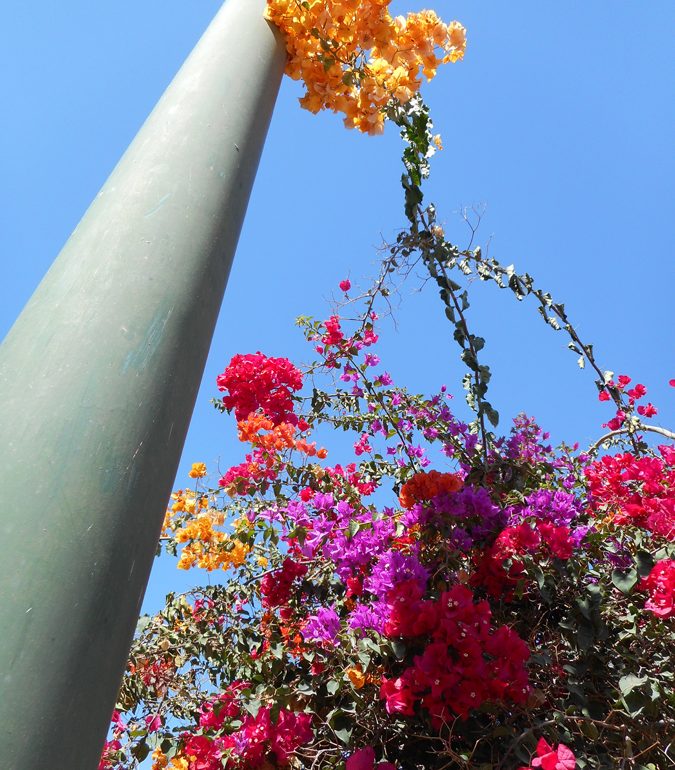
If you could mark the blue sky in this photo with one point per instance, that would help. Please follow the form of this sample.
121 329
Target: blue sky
558 123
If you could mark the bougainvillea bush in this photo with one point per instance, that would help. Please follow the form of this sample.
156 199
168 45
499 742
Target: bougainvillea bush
442 594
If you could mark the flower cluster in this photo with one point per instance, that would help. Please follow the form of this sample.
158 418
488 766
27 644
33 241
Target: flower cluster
470 517
109 754
243 740
279 437
637 490
425 486
626 398
443 608
548 758
270 425
354 57
466 662
275 587
661 586
255 381
204 544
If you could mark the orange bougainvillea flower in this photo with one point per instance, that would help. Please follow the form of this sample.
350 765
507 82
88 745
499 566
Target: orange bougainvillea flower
179 763
159 759
356 676
425 486
205 546
355 58
277 438
197 471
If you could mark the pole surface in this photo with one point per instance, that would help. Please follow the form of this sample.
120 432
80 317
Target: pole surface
98 379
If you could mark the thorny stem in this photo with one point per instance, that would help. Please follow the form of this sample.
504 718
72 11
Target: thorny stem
651 428
498 273
394 423
474 352
416 133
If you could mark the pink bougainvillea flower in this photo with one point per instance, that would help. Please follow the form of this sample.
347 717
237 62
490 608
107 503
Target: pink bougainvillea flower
616 422
153 722
363 759
549 758
110 747
661 584
118 721
637 392
346 285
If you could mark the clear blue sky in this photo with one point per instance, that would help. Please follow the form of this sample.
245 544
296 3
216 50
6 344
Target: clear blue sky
560 121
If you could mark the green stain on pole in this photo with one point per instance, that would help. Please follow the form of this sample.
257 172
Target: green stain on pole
98 379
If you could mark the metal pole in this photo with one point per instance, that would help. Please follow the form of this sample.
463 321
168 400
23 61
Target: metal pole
98 379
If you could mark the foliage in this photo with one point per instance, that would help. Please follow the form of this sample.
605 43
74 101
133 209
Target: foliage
448 597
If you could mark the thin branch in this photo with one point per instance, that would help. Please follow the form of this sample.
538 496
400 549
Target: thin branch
651 428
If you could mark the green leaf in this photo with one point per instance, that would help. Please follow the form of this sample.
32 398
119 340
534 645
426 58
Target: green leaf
590 730
645 563
629 682
398 649
344 734
624 580
143 623
634 702
492 415
140 751
332 686
342 725
585 636
252 706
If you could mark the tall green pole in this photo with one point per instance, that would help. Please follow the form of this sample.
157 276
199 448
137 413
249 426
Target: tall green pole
98 379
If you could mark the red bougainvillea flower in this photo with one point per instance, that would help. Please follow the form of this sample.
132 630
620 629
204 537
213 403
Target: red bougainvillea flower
333 335
399 698
549 758
661 584
647 411
257 382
